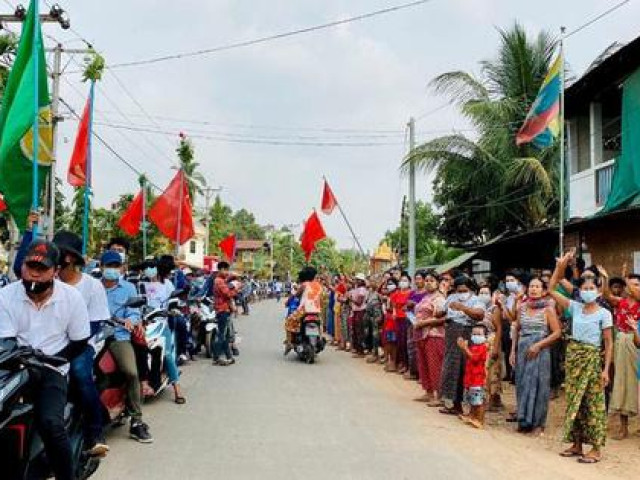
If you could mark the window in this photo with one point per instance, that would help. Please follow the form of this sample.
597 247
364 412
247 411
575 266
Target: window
604 177
192 246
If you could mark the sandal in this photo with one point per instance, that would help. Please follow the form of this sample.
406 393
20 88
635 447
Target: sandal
449 411
571 452
180 400
435 404
589 459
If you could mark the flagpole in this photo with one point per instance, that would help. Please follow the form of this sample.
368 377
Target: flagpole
562 144
180 172
143 184
87 181
348 224
36 118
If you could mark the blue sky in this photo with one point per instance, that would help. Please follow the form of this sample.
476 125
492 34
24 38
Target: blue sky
366 77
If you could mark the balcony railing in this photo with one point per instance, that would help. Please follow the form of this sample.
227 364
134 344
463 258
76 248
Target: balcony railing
604 177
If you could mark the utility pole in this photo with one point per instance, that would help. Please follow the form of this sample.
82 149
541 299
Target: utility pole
412 200
208 194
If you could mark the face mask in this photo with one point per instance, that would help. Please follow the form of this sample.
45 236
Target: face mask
512 286
391 287
404 285
111 274
478 339
198 282
485 298
36 287
151 272
463 297
588 296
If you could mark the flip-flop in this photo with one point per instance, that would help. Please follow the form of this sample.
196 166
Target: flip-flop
569 453
589 460
449 411
180 400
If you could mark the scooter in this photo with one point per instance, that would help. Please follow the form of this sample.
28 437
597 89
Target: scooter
309 342
156 328
23 456
203 321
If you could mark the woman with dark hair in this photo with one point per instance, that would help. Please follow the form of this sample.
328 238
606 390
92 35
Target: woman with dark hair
429 330
586 373
399 300
536 328
462 310
493 323
415 297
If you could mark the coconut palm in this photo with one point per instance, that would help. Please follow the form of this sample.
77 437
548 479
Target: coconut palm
484 183
195 180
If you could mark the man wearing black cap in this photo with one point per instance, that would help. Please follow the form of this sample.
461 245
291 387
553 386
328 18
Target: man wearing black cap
95 298
47 315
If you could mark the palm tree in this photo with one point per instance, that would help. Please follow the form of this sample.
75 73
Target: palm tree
486 184
195 180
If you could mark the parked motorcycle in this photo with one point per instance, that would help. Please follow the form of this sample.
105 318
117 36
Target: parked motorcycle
23 455
309 342
203 323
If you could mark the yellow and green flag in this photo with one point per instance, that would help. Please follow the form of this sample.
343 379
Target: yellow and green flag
16 123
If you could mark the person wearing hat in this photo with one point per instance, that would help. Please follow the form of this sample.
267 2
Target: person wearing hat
119 291
95 298
47 315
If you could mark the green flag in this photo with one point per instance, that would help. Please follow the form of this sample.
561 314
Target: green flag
16 124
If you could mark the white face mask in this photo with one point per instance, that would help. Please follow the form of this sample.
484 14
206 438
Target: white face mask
391 287
404 284
485 298
463 297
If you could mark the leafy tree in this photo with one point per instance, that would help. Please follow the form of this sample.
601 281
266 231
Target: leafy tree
195 180
245 226
485 184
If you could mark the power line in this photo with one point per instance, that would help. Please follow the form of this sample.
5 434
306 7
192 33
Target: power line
597 18
279 36
109 147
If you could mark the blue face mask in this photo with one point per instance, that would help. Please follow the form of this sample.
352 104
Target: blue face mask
111 274
151 272
588 296
478 339
512 286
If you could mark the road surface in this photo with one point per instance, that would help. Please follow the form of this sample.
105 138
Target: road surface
268 417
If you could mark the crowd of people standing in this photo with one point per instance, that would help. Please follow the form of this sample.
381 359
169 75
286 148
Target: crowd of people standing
571 329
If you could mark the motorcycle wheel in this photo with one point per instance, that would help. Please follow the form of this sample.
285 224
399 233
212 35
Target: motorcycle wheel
311 354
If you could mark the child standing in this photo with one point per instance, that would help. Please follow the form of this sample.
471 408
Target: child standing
475 374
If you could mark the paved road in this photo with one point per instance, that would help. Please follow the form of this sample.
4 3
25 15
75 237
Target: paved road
272 418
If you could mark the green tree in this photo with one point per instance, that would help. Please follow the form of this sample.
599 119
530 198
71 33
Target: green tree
485 184
195 180
245 226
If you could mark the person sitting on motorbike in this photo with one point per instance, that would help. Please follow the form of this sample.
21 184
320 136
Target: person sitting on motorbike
50 316
167 272
119 291
71 262
158 293
310 293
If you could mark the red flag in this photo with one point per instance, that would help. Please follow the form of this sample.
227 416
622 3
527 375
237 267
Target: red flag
131 219
228 247
77 174
329 201
168 209
312 234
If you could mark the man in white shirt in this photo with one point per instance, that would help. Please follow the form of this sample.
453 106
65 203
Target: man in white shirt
95 298
50 316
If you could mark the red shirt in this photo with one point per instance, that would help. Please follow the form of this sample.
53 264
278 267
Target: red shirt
223 295
622 311
398 299
475 374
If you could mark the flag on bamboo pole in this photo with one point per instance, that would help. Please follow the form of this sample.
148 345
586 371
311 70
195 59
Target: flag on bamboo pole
172 213
228 247
77 174
329 201
542 125
16 123
312 234
131 219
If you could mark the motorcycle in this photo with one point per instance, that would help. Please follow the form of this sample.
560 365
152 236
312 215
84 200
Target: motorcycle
23 455
309 342
203 321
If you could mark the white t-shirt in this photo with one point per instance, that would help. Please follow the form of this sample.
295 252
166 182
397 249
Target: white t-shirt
95 297
158 293
61 320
